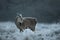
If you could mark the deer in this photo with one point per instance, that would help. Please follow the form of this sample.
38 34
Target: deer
23 23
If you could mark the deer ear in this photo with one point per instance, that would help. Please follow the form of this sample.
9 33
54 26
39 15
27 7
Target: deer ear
20 15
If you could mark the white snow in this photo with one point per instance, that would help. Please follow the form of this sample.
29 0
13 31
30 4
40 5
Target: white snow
9 31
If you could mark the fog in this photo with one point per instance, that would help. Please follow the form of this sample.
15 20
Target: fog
43 10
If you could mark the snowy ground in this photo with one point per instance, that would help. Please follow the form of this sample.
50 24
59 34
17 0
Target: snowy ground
9 31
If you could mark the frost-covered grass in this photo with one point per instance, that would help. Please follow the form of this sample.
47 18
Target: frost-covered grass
9 31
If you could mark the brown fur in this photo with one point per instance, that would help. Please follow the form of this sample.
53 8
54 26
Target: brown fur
26 22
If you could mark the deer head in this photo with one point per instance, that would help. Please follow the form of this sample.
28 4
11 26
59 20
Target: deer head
20 18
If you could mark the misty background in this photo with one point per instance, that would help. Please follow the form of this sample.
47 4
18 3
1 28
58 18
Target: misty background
43 10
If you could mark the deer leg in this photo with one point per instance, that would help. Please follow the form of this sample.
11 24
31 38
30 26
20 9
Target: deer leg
32 28
21 30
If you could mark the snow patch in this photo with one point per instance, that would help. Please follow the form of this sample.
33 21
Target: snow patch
9 31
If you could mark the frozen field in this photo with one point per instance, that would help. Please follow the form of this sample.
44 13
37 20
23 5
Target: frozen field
9 31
